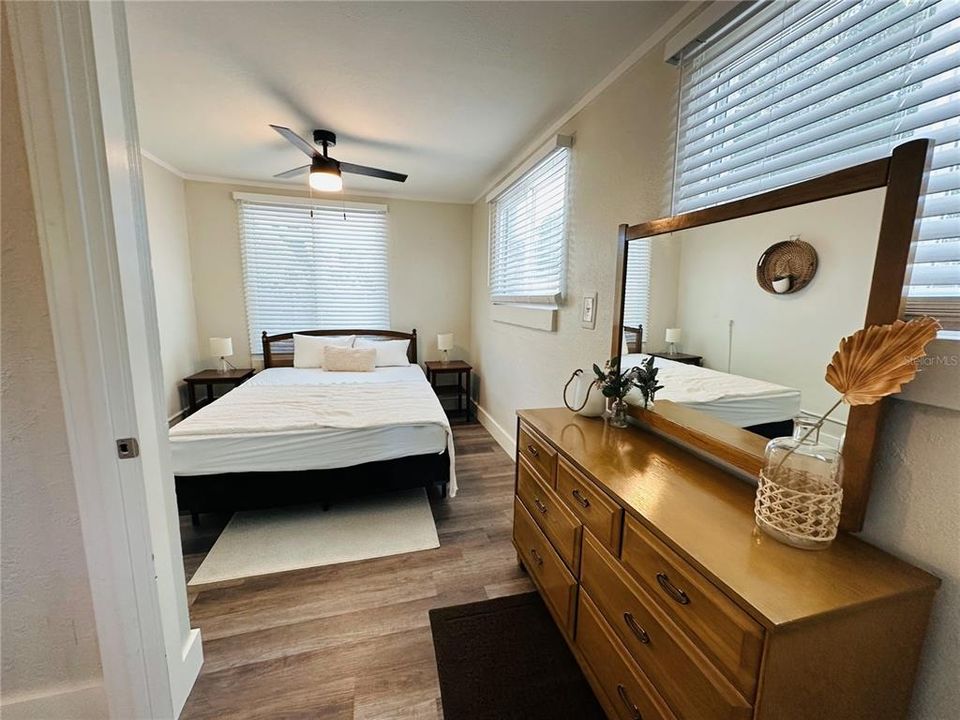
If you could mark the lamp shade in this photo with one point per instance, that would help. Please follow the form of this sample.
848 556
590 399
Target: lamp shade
325 174
673 335
221 346
326 180
445 341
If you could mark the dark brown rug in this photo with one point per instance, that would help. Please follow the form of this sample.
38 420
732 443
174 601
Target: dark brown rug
505 658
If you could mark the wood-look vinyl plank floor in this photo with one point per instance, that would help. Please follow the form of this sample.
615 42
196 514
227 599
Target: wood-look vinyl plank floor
353 641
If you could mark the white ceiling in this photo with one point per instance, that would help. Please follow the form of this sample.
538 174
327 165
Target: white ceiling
446 92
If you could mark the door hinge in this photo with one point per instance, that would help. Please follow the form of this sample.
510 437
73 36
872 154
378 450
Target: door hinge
127 448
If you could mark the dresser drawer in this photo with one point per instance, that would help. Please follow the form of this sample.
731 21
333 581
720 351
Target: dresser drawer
722 630
540 454
556 584
594 507
628 691
692 686
561 526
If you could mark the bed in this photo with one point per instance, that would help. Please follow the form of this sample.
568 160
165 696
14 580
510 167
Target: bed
295 435
756 405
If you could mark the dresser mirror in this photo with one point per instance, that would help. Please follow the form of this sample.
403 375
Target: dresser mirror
743 304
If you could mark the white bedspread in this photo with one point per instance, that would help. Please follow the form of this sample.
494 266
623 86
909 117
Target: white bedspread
740 400
284 408
283 405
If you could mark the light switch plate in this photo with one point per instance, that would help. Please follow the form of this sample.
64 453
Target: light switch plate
588 311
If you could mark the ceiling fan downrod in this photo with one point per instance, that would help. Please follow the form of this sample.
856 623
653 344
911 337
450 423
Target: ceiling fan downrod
325 139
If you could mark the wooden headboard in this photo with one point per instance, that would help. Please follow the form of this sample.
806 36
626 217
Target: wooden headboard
636 345
273 358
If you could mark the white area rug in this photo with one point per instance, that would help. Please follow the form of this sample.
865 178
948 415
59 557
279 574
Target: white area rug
261 542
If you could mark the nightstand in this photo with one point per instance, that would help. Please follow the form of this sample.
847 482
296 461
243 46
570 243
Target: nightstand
232 377
680 357
461 390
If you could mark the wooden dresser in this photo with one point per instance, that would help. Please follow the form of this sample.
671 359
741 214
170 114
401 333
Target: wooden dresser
677 607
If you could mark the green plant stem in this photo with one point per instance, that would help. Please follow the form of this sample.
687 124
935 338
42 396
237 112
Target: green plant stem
815 426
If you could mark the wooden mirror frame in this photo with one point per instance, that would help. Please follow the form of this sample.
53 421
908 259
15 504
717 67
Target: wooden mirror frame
904 175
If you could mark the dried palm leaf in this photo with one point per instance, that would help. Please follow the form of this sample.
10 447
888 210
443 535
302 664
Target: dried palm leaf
878 360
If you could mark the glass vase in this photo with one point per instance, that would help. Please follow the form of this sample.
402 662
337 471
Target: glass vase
799 492
618 413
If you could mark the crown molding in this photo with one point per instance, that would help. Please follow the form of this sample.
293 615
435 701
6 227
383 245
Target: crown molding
290 187
304 189
632 59
163 163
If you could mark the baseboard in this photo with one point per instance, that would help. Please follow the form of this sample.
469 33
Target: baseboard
76 703
176 417
504 439
188 671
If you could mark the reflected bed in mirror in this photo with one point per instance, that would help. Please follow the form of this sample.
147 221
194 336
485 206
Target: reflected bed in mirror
743 304
760 354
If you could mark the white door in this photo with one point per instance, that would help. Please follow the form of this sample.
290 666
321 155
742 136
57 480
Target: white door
74 78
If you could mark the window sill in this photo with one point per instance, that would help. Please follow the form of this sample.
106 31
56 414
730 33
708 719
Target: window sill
936 382
536 317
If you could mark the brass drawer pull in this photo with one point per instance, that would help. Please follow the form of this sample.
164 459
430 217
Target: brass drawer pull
540 506
634 626
580 498
672 590
533 451
634 710
536 556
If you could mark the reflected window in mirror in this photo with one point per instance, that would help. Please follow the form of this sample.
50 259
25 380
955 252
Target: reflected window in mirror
636 296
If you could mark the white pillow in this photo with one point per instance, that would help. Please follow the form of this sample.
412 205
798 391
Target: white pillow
389 352
348 359
308 350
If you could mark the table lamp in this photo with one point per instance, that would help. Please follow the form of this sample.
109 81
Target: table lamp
221 347
673 337
445 344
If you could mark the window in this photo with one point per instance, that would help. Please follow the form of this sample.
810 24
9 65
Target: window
787 92
528 223
636 292
312 266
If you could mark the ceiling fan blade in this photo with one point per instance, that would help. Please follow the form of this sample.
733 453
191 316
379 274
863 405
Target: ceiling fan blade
372 172
293 173
308 148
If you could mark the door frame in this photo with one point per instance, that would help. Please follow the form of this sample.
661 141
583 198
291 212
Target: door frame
76 94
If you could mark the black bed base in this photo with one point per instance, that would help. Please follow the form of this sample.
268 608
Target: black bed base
253 490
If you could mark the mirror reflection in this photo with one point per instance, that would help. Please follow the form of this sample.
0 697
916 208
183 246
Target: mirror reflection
743 316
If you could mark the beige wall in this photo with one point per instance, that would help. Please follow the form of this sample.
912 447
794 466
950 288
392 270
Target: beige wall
172 279
622 170
429 268
914 513
50 660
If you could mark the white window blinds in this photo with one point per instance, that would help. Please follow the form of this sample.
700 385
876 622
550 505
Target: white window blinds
636 292
309 267
528 234
792 91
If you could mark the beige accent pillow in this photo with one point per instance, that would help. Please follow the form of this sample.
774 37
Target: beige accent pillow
346 359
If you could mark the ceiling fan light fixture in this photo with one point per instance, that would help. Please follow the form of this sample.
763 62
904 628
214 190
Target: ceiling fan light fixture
325 175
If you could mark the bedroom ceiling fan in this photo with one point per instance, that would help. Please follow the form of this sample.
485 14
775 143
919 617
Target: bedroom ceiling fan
325 171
